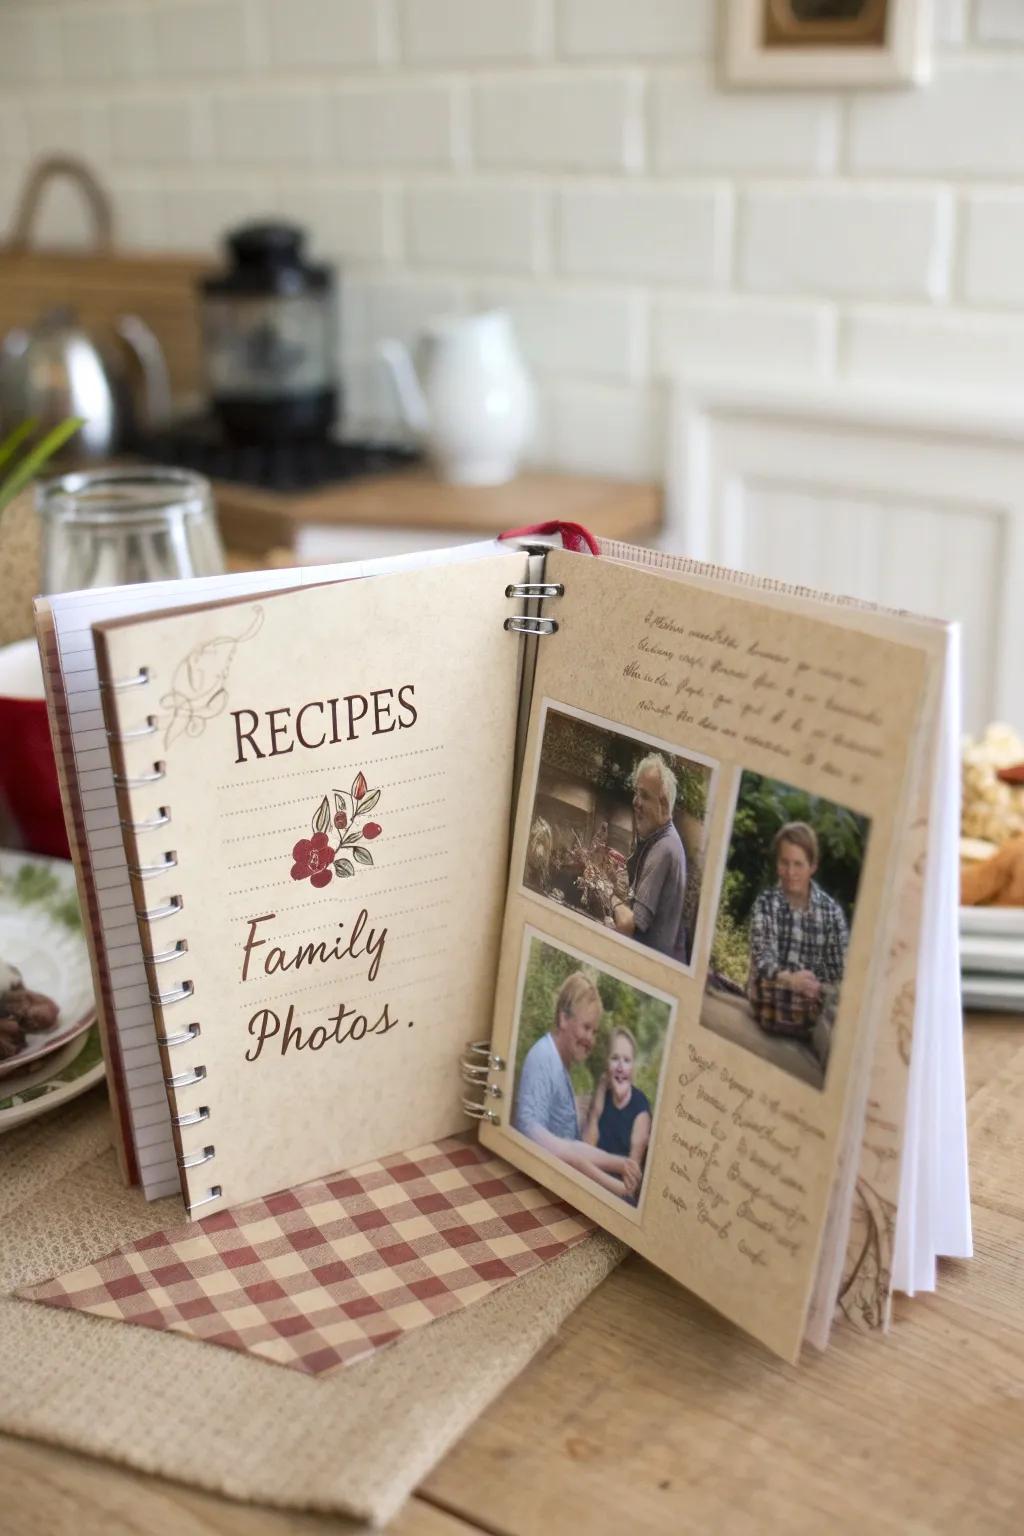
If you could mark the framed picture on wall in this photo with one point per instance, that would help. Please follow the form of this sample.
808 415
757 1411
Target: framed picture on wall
819 43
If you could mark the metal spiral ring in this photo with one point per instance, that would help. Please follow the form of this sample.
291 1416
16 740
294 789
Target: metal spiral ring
193 1117
480 1112
151 823
154 914
118 684
181 1038
186 1079
528 589
175 995
482 1049
150 871
176 950
529 624
214 1193
139 780
149 729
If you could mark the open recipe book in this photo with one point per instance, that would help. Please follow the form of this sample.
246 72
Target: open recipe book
674 848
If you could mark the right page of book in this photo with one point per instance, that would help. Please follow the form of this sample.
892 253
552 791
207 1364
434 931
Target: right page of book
703 888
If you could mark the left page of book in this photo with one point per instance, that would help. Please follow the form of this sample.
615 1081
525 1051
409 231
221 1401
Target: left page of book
64 621
319 784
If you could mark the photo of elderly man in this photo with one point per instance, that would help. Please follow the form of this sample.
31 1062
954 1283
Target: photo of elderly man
778 956
653 910
617 831
545 1105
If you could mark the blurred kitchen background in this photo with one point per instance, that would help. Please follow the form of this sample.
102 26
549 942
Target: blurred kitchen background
742 279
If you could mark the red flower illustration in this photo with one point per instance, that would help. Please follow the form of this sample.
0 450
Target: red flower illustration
359 787
341 821
371 830
313 859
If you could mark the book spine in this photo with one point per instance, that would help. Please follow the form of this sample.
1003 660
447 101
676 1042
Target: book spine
146 827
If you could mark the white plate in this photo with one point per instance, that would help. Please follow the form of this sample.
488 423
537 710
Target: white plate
81 1074
41 934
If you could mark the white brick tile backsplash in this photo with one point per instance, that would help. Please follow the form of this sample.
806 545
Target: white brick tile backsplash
349 223
969 121
664 233
211 37
604 429
30 51
954 351
697 126
64 125
155 130
846 240
700 332
327 34
999 21
622 29
479 31
587 332
114 44
377 309
414 124
499 227
14 134
994 248
265 127
197 217
563 121
575 161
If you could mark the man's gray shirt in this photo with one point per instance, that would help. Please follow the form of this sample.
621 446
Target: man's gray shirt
545 1095
659 892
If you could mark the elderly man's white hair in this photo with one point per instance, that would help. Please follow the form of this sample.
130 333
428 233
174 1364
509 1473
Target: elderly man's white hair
655 763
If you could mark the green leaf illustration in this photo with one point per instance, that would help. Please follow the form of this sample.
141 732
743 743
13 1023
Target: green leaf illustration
343 867
367 803
363 855
322 819
339 801
352 836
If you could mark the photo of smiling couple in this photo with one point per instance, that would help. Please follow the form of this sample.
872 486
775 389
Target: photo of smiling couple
589 1055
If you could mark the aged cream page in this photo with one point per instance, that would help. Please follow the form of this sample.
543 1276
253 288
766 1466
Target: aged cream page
321 784
721 1073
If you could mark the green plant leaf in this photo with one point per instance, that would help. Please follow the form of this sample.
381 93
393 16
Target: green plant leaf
34 460
13 441
343 867
363 855
322 819
367 803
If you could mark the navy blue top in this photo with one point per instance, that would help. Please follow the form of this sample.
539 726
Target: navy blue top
615 1127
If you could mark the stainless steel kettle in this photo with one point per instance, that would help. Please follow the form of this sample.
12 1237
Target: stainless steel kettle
56 370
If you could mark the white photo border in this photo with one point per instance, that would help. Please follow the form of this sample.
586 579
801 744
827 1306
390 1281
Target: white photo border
642 739
530 934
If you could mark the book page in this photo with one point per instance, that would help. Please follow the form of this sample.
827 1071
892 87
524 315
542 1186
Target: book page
321 783
701 886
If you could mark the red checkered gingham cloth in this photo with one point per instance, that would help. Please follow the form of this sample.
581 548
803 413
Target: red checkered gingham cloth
324 1274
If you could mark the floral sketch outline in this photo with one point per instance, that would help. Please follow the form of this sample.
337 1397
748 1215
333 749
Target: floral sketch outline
198 692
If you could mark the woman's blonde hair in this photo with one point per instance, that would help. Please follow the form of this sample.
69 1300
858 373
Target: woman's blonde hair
627 1034
576 990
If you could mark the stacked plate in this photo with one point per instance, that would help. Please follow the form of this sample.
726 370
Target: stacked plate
47 1055
992 958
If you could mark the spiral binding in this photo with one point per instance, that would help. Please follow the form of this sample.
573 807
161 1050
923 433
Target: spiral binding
476 1064
190 1076
532 591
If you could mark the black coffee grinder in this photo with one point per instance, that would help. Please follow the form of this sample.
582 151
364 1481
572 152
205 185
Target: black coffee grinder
269 339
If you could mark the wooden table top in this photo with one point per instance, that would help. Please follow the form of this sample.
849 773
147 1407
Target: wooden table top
649 1414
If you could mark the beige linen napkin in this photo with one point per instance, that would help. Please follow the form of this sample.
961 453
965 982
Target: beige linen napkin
356 1442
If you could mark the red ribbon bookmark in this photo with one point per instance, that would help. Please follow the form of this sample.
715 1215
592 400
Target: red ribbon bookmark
573 535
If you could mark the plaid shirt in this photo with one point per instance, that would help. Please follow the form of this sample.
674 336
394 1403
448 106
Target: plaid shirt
785 938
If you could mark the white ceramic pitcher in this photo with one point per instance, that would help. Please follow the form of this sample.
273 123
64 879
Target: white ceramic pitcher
471 402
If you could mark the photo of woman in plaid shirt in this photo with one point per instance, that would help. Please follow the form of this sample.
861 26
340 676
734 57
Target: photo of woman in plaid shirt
798 941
